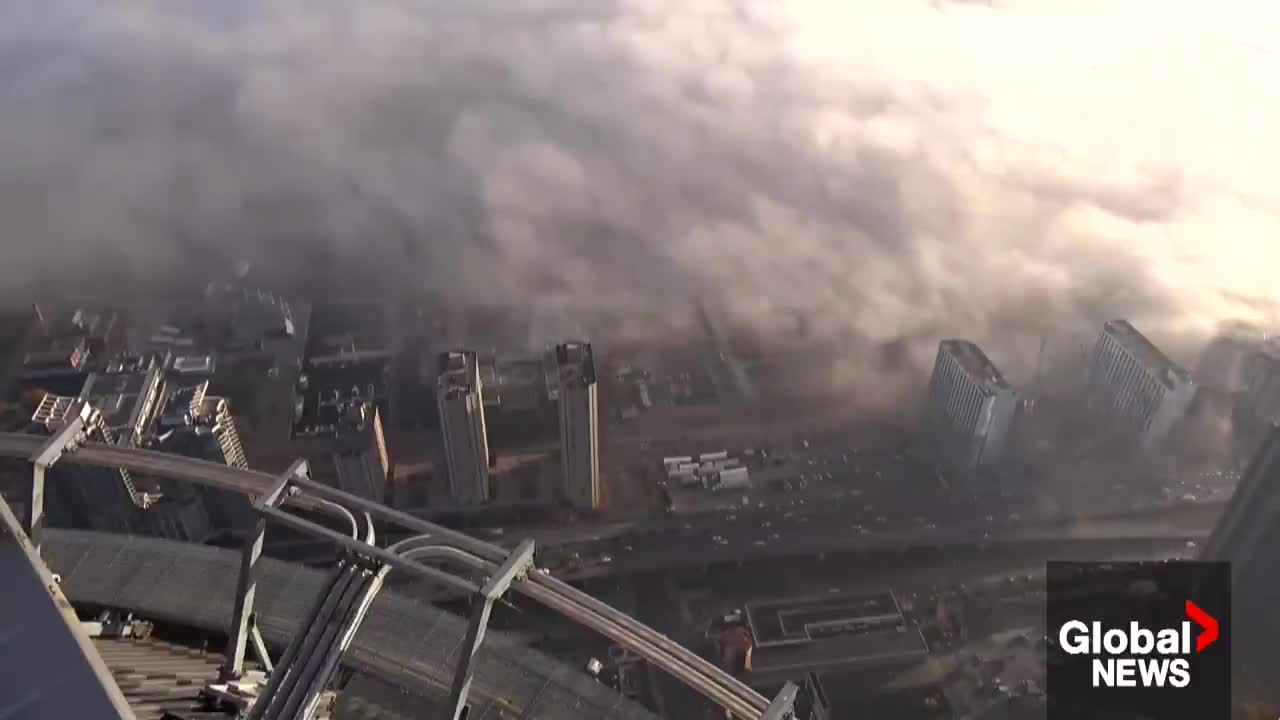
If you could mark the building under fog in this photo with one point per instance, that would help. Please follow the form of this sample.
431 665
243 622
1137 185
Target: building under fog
138 403
579 433
971 408
460 399
362 462
1247 533
1257 405
1135 386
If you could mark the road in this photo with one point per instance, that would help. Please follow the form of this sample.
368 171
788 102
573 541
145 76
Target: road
747 542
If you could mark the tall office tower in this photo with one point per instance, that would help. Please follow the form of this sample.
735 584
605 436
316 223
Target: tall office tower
361 460
971 409
1257 405
1135 386
195 424
1246 535
579 435
460 399
102 498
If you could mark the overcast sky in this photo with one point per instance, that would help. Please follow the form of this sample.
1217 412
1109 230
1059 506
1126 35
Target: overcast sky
887 169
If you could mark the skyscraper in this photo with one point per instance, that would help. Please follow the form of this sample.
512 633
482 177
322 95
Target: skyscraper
1257 405
459 397
971 409
579 435
1135 387
103 498
193 423
361 458
1246 535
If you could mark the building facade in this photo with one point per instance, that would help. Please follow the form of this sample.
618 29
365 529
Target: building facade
143 408
1258 403
971 409
579 424
362 464
1247 533
1136 387
464 437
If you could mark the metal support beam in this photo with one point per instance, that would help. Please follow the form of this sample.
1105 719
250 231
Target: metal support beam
65 440
369 551
517 564
259 646
783 706
241 625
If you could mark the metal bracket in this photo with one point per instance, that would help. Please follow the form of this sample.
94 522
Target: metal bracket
515 567
65 440
242 625
783 706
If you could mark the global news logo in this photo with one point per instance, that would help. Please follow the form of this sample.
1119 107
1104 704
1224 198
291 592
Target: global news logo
1138 656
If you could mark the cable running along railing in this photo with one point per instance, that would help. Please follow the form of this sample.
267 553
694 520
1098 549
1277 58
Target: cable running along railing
504 569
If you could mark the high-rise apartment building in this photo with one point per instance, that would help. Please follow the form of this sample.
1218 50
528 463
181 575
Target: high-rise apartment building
971 409
579 433
1135 386
460 400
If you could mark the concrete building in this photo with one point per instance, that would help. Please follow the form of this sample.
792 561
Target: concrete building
93 497
139 406
579 426
362 462
341 435
971 409
193 423
460 400
1135 386
1246 535
1257 405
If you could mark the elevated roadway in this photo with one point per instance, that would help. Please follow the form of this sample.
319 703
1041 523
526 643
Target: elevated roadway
662 652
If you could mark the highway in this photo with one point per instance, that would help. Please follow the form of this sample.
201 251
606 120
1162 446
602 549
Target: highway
708 538
661 651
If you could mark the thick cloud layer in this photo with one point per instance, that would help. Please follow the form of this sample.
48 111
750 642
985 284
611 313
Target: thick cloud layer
870 171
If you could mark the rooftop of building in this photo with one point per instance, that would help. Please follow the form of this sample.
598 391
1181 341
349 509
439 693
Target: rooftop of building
354 328
79 322
332 410
975 362
521 383
125 400
576 362
459 371
1146 353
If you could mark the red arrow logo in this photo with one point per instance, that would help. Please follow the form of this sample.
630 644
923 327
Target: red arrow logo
1206 621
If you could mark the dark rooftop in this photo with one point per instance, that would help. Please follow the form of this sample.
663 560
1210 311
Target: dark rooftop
577 362
975 363
1146 353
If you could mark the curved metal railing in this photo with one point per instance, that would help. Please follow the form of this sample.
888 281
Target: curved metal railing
656 648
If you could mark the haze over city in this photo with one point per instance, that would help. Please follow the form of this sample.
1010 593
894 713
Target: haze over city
994 171
635 359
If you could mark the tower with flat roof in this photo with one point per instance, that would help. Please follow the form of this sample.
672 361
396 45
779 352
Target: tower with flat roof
579 434
1135 387
971 409
460 399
